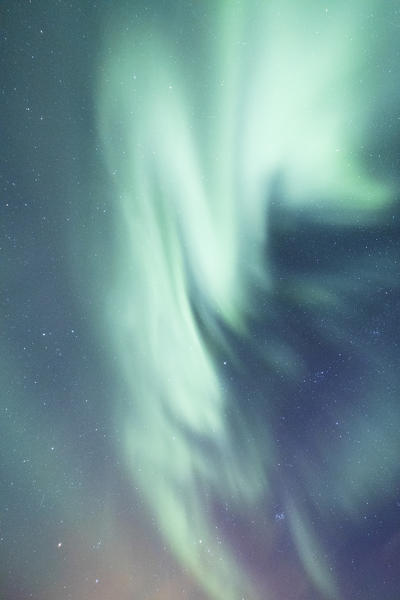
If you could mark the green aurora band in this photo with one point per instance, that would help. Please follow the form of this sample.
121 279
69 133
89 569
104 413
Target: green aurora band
196 124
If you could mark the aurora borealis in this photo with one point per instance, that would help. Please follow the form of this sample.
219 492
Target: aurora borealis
200 278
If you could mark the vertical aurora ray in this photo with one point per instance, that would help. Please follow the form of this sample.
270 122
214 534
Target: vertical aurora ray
195 132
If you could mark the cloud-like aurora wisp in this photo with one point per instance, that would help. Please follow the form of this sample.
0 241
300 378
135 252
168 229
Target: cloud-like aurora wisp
195 132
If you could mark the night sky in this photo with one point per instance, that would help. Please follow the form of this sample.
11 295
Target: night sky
200 301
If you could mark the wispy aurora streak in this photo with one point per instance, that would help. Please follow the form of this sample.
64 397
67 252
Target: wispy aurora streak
196 131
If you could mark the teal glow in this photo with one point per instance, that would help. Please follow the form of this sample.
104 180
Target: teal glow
195 133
